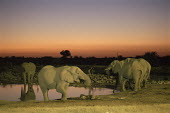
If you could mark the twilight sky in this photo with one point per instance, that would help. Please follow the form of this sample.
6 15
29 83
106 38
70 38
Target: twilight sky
85 27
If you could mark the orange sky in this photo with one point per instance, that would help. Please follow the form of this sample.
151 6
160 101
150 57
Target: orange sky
86 28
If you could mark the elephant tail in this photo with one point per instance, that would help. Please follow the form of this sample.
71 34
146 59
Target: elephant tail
148 77
141 77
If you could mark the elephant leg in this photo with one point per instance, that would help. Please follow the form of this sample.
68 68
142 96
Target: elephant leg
62 87
119 81
24 77
136 84
30 87
32 75
45 94
136 78
139 84
64 93
29 79
123 85
145 81
144 84
29 82
142 81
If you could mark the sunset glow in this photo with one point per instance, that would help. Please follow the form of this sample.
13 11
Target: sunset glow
36 28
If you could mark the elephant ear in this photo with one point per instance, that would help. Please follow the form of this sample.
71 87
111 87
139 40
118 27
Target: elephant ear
66 76
80 73
121 64
117 67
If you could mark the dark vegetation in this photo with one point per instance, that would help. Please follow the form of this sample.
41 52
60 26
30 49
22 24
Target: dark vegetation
11 71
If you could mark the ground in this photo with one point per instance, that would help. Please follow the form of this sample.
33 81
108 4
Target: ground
154 99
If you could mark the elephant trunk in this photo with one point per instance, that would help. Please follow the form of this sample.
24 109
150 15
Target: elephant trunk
108 70
87 80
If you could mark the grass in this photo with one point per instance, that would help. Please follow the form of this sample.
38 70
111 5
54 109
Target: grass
162 108
154 99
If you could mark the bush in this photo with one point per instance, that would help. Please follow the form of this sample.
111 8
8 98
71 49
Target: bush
7 77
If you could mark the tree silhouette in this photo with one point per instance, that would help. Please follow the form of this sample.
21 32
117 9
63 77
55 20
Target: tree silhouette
120 57
152 57
65 53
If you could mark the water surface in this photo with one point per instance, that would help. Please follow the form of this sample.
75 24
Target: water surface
13 92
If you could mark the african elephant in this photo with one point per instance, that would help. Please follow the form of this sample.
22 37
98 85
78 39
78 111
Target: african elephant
59 78
145 66
129 69
115 67
29 71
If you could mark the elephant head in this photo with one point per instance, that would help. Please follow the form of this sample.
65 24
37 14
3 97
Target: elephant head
29 69
114 67
84 77
73 74
108 69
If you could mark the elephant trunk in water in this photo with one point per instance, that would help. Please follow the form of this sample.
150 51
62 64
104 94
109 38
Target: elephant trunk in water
87 81
108 70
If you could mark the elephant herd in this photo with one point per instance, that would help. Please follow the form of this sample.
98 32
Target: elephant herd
50 77
59 78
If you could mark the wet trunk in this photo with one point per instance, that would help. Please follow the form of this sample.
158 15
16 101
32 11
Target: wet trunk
87 81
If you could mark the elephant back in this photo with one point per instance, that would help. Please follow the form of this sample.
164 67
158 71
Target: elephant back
29 67
47 75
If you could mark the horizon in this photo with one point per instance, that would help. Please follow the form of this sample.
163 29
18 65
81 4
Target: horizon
99 28
74 56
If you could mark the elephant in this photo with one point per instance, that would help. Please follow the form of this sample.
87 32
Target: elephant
115 67
29 71
128 70
145 66
59 78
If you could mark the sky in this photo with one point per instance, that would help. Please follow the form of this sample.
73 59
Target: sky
100 28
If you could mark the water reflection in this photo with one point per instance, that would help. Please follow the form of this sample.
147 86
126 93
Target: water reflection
13 92
27 95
